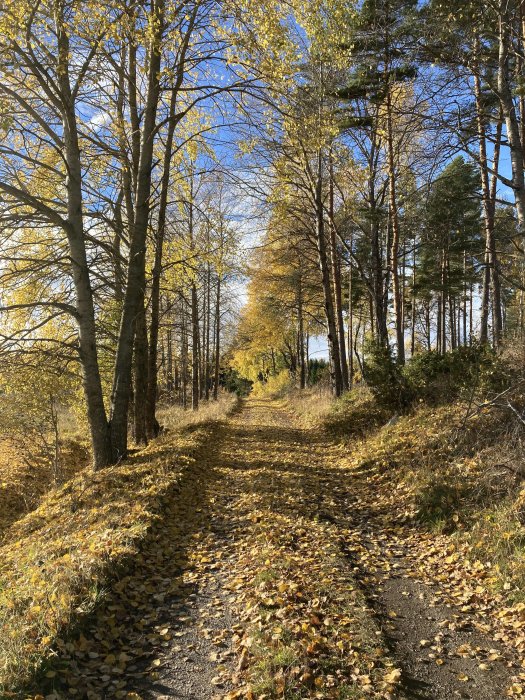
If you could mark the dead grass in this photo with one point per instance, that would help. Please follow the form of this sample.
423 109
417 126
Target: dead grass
312 406
173 418
56 561
25 479
356 413
454 470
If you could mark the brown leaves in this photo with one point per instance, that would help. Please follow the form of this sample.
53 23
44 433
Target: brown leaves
55 562
305 629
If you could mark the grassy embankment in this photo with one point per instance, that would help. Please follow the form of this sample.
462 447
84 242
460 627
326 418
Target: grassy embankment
57 559
457 468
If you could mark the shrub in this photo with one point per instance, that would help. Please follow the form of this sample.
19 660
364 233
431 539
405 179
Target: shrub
432 377
275 386
436 378
385 378
233 382
318 371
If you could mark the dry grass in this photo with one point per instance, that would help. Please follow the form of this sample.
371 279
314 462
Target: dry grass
457 471
25 479
56 561
355 413
174 418
312 406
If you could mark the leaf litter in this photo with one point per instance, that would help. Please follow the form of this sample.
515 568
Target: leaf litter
284 570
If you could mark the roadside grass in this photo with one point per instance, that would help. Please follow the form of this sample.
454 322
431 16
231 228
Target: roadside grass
356 413
455 471
57 561
173 418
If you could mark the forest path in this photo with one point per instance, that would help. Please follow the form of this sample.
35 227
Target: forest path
178 625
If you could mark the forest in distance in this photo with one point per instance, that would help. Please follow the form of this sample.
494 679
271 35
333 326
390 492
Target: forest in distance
262 313
370 154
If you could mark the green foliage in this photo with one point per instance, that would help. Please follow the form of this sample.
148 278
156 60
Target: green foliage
432 377
436 378
438 502
452 227
355 413
235 383
385 377
317 371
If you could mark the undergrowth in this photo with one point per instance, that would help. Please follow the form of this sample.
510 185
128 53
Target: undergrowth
275 386
23 481
355 413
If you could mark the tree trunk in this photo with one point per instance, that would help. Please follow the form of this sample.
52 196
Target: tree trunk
135 285
195 370
140 364
493 254
465 299
171 370
152 425
184 357
217 340
414 300
202 345
428 326
439 334
300 333
207 335
350 325
490 273
85 308
336 281
509 111
378 319
337 378
394 250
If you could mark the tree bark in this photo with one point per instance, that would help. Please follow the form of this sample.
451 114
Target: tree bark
497 305
152 425
184 356
490 273
350 325
300 333
207 335
337 378
85 308
509 111
394 250
217 340
135 285
140 365
414 303
336 280
195 369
